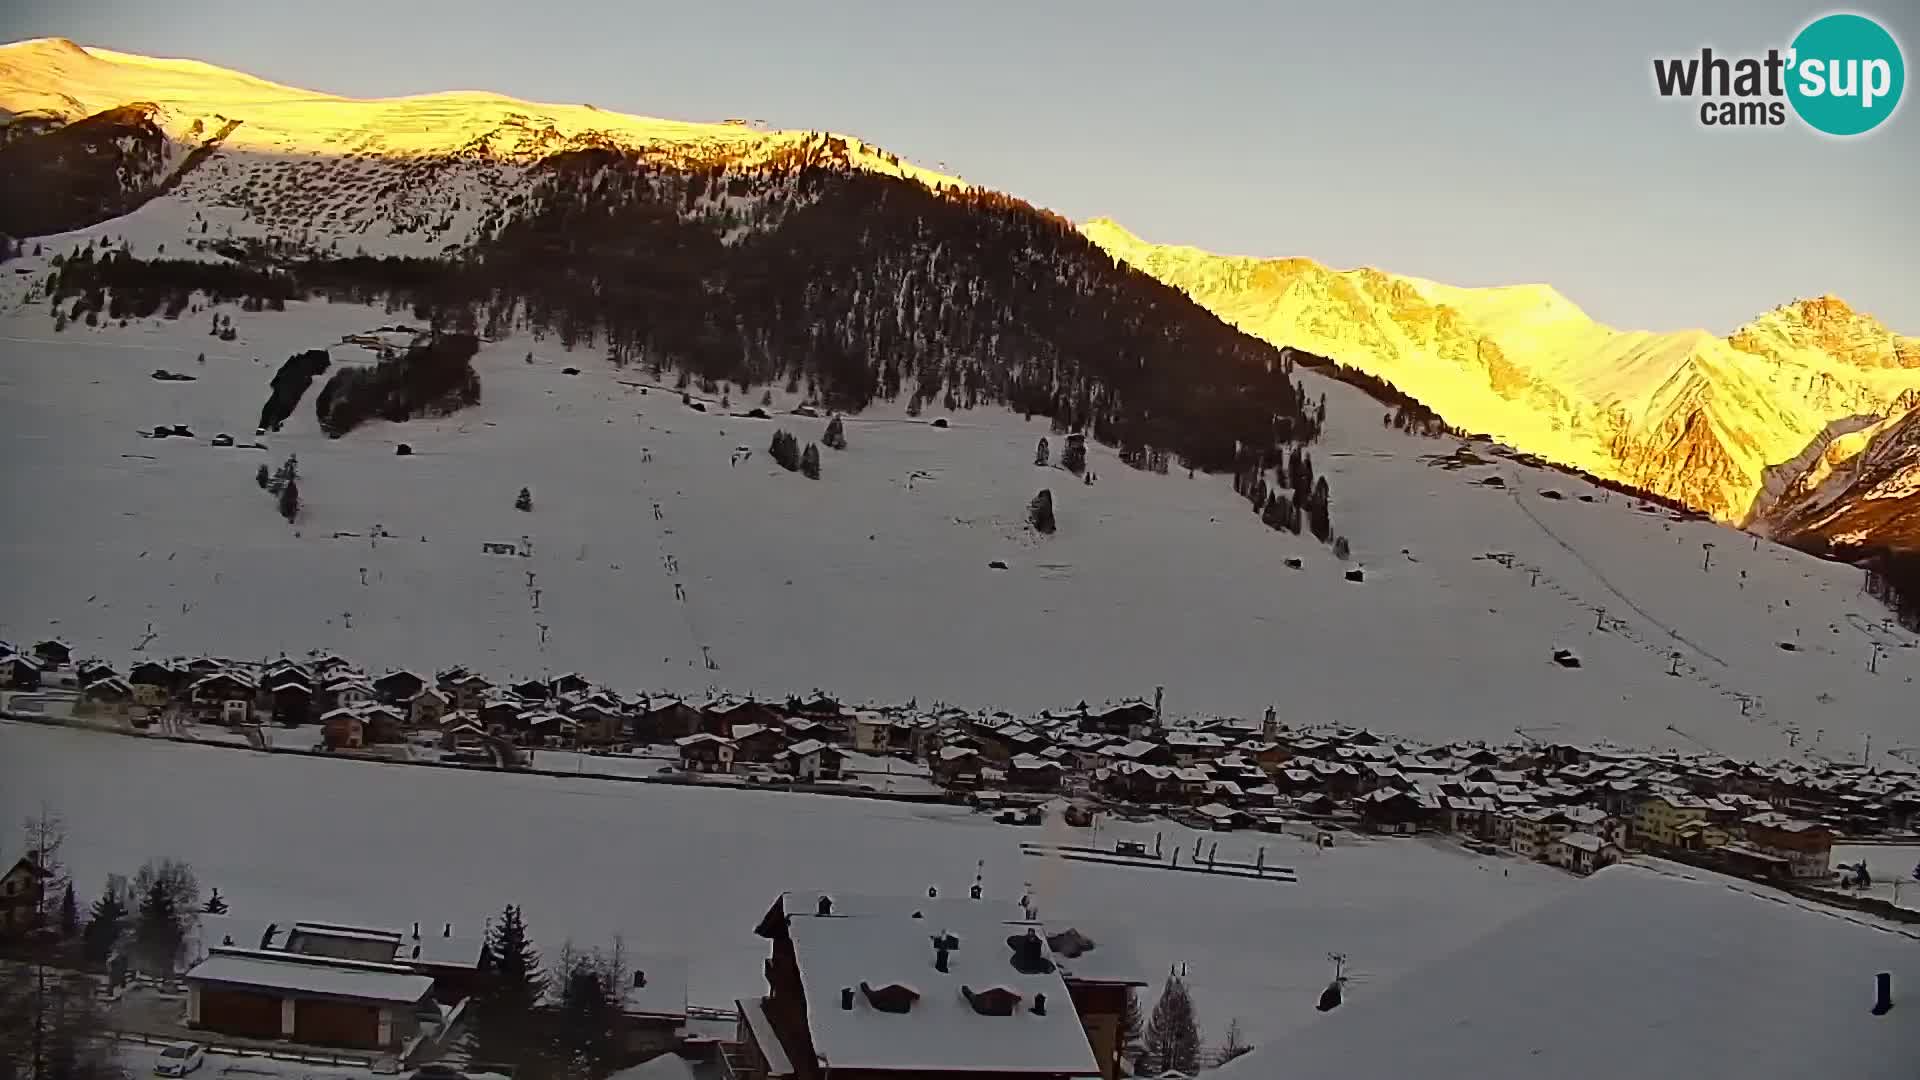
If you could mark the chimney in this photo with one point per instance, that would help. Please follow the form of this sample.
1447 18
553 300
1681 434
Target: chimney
940 955
448 932
416 930
826 908
1270 726
639 979
1159 695
846 998
1883 993
1039 1004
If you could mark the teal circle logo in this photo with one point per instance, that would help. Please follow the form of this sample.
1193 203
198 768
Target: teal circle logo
1845 74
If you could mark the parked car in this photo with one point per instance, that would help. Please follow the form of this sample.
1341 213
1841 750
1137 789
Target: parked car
179 1059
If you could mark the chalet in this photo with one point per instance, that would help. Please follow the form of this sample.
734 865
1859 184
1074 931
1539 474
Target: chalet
544 727
1391 810
326 665
272 993
1130 719
459 733
1138 783
531 689
425 708
398 687
571 683
1139 752
809 760
1582 853
19 672
108 697
1222 818
956 764
664 719
720 715
802 727
597 724
467 690
291 702
1189 747
502 713
53 653
22 888
214 694
971 989
751 742
342 729
343 691
382 724
1657 818
1260 796
705 752
872 732
1806 846
1030 772
153 673
92 671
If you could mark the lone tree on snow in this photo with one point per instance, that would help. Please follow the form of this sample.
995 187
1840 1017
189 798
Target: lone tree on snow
1341 549
216 905
785 450
505 1031
1040 512
524 503
262 477
1044 455
1172 1039
290 500
1074 457
836 436
810 462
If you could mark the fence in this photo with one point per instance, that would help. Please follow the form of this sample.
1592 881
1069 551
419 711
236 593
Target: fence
305 1057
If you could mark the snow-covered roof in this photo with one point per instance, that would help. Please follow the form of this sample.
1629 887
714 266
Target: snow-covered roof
1665 977
700 737
667 1066
1583 841
754 1009
805 747
311 975
665 992
941 1031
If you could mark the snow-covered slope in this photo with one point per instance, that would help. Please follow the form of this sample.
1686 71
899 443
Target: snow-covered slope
404 176
1687 415
875 581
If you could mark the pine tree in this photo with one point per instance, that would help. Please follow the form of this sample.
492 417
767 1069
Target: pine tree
1074 457
1043 456
1132 1029
785 450
1040 512
524 501
1341 549
1303 479
69 914
810 462
1172 1038
261 477
1320 511
290 500
836 436
504 1027
158 933
584 1036
104 923
215 904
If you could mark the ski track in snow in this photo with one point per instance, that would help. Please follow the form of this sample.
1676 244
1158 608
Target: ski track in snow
872 582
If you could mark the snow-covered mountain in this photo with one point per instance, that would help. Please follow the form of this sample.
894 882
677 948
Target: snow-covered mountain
1704 420
415 175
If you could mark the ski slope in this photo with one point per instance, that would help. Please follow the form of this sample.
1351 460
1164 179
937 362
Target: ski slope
691 871
874 581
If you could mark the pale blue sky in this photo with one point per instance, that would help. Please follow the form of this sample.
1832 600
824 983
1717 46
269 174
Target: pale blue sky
1475 143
